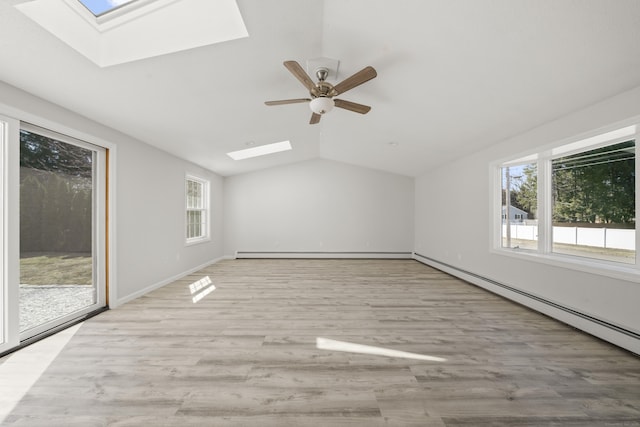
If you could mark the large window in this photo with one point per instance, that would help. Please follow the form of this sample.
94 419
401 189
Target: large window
197 201
593 195
574 202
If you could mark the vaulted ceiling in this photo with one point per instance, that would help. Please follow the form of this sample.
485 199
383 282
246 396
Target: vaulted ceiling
454 76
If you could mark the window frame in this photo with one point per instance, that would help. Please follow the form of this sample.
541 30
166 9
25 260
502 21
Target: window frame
204 210
113 8
543 157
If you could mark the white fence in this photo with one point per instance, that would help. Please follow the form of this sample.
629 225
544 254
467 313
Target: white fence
612 238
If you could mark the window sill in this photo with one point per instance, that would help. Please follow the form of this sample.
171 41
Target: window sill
602 268
197 241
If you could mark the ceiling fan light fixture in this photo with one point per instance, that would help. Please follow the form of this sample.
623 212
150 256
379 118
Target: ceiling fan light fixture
321 105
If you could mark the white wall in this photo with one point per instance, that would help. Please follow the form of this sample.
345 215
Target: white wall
320 206
453 226
148 241
151 219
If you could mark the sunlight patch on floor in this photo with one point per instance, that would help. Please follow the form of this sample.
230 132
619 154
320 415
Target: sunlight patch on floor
328 344
22 369
201 288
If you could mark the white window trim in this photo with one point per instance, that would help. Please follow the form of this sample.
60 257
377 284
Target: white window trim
544 254
206 189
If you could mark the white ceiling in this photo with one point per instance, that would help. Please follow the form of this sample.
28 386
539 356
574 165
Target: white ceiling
454 76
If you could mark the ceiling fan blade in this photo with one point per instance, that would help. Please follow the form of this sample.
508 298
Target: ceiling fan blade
352 106
287 101
364 75
300 74
315 118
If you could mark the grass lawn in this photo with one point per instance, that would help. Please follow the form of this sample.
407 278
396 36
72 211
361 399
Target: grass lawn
608 254
56 268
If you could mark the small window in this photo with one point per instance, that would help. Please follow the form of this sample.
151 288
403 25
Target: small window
197 201
576 202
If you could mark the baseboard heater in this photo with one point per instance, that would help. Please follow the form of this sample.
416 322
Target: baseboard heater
324 254
470 276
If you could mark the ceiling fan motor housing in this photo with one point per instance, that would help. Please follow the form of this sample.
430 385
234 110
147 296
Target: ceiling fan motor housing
322 73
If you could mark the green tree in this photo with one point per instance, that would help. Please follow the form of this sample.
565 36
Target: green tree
595 186
527 195
44 153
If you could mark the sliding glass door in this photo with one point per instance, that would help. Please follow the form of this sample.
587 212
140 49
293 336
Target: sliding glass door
62 223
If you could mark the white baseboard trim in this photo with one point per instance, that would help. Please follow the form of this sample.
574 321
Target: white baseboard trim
165 282
323 254
615 334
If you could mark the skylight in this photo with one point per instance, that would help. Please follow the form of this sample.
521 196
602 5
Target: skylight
108 32
261 150
100 7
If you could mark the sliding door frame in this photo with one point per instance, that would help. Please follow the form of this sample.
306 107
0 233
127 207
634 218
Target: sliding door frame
10 214
10 251
98 227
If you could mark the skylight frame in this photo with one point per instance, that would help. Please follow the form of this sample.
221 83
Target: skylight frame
261 150
114 38
117 16
115 8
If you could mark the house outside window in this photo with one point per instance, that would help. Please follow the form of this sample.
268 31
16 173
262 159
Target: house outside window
197 209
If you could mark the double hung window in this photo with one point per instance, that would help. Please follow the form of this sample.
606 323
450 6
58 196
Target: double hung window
197 212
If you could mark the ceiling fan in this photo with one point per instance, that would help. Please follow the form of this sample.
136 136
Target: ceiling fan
322 92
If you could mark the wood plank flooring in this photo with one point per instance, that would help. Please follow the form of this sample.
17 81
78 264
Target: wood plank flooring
245 354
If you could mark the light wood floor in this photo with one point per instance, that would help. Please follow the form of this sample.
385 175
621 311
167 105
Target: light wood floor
245 354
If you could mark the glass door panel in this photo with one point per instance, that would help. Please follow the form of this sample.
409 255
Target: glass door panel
58 239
